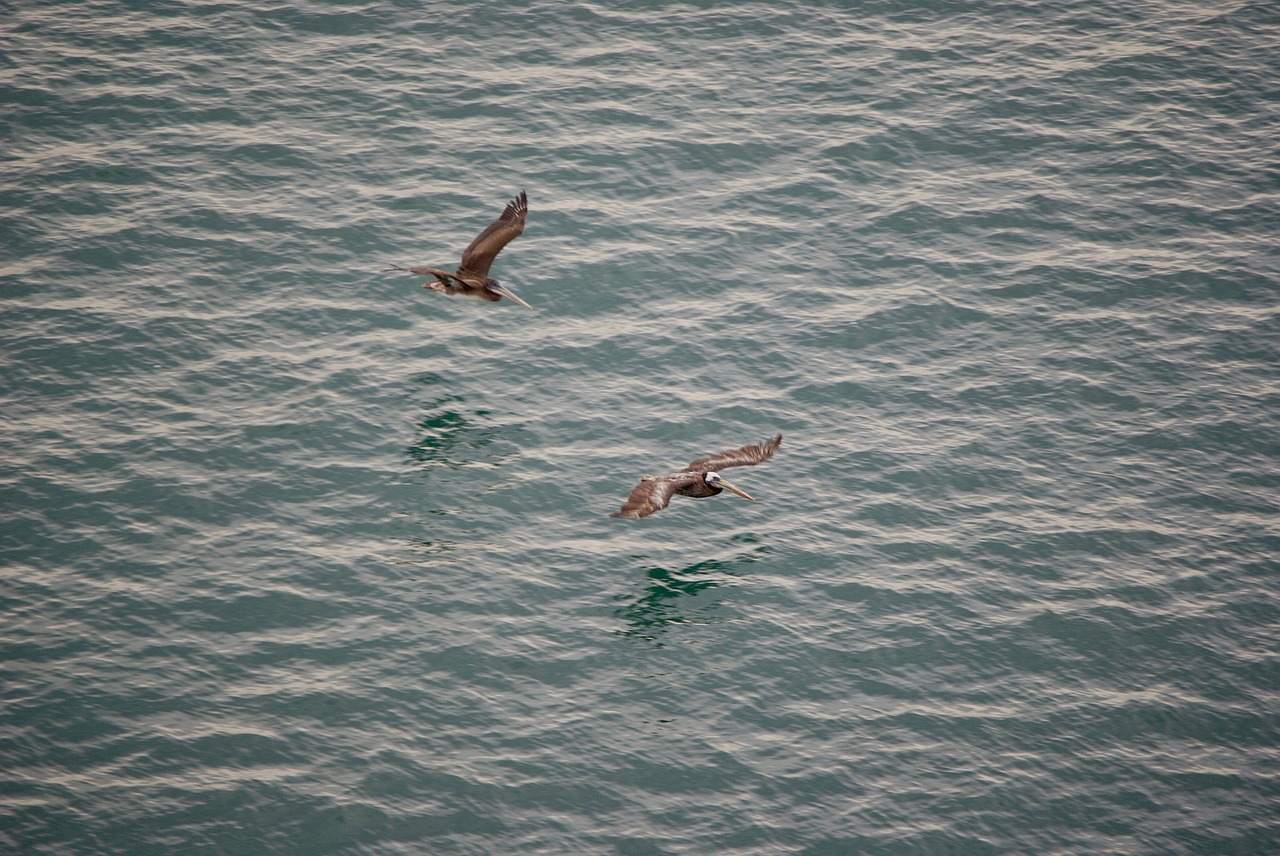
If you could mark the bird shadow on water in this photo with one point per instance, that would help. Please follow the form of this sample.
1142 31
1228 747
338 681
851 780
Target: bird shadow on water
688 596
437 487
449 435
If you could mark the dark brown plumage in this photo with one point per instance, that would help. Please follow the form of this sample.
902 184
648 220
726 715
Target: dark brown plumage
700 479
471 279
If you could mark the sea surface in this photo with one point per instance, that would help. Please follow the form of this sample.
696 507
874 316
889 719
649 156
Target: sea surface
300 558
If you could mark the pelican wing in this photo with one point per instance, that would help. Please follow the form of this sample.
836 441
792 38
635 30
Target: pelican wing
442 275
481 252
747 456
649 497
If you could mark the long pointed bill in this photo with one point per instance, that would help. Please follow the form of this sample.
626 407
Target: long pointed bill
739 491
506 292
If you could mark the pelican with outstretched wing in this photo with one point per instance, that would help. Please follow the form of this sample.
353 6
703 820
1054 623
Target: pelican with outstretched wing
699 480
471 279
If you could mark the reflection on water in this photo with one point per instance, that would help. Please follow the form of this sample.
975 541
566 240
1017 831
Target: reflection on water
428 547
685 596
458 458
411 558
445 431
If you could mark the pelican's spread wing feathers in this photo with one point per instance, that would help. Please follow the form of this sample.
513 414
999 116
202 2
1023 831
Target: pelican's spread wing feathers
442 275
480 253
649 497
747 456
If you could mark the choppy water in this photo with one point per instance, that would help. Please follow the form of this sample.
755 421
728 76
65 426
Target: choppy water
299 558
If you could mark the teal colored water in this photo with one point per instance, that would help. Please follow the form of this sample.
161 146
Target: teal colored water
300 558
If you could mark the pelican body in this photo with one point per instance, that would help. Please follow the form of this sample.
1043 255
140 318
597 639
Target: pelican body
472 279
699 480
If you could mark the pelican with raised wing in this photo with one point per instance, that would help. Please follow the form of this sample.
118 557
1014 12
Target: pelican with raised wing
699 480
472 279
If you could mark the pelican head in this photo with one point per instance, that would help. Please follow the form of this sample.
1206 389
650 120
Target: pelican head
502 291
714 480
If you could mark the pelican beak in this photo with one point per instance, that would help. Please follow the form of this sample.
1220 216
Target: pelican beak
739 491
506 292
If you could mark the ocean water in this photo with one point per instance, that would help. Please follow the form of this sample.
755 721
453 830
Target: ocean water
300 558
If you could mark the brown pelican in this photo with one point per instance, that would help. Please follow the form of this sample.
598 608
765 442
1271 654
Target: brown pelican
700 479
471 279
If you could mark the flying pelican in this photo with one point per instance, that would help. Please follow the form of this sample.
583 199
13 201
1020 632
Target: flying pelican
471 279
700 479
